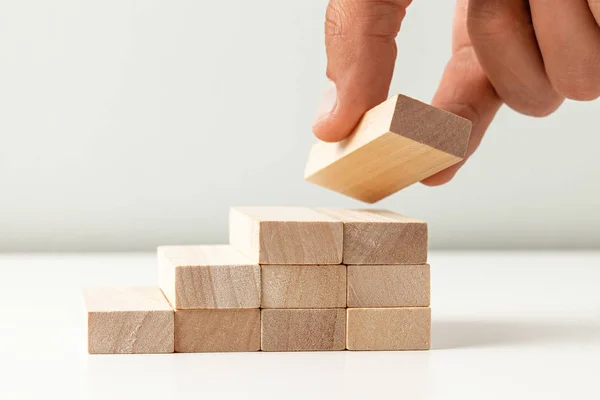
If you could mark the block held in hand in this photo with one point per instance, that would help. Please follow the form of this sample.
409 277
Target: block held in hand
397 143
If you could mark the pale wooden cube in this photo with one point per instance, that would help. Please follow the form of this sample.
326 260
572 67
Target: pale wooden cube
128 320
303 329
208 276
407 328
397 143
381 237
224 330
303 286
388 285
286 235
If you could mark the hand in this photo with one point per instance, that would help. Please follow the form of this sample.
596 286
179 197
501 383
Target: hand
530 55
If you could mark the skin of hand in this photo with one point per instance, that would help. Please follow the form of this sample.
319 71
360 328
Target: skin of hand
527 54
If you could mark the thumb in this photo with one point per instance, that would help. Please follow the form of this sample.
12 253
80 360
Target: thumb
361 52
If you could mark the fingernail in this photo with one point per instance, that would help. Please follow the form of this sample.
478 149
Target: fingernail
328 102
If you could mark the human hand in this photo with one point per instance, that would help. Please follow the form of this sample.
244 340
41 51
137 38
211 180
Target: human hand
530 55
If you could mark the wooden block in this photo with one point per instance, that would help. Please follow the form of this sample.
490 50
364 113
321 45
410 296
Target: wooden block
303 329
212 276
388 285
303 286
198 331
397 143
286 235
128 320
381 237
407 328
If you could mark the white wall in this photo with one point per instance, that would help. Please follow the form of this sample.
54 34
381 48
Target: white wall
125 124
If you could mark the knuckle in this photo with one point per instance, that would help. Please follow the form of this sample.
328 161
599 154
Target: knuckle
485 22
542 109
367 18
539 100
582 83
493 20
535 106
335 19
580 93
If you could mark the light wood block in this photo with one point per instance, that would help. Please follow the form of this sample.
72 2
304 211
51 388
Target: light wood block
381 237
407 328
388 285
128 320
198 331
211 276
397 143
286 235
303 329
303 286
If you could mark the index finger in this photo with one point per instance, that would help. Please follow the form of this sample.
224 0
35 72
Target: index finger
465 90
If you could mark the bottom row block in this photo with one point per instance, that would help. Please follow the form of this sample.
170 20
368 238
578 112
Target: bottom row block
224 330
407 328
128 320
140 320
303 329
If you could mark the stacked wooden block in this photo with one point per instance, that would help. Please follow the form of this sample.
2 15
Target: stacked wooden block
291 279
388 288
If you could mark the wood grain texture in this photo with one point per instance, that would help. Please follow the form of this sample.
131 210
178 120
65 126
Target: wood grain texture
303 329
407 328
431 126
128 320
388 285
397 143
303 286
286 235
210 276
198 331
381 237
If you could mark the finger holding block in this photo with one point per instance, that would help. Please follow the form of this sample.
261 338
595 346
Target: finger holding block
397 143
286 235
128 320
406 328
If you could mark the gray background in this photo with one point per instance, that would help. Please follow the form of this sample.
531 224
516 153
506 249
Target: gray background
126 124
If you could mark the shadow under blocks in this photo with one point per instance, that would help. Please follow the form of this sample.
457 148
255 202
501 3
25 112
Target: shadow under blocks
463 333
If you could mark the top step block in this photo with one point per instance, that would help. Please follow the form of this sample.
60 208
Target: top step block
397 143
286 235
380 237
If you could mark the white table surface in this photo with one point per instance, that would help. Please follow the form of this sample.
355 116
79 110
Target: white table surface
505 326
